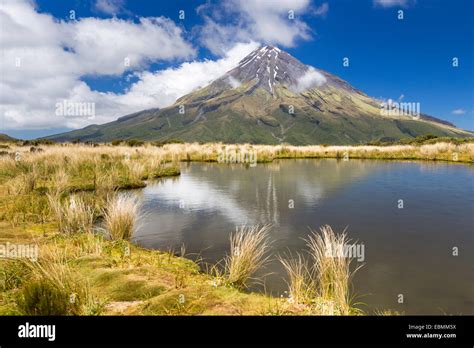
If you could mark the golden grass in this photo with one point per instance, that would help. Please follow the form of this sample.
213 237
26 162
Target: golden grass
59 182
332 267
73 215
120 216
24 183
265 153
301 286
53 275
97 171
141 282
248 254
324 280
140 161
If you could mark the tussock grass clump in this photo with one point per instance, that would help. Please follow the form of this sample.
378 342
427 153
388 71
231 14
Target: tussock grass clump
12 274
41 297
120 216
24 182
248 253
104 181
59 182
73 216
27 182
135 170
332 267
301 285
53 288
323 280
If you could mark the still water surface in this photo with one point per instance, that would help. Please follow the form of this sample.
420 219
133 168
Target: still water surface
407 251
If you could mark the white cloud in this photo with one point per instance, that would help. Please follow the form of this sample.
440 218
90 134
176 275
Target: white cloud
44 59
391 3
163 87
102 45
458 112
111 7
55 55
312 78
322 10
261 20
160 88
234 83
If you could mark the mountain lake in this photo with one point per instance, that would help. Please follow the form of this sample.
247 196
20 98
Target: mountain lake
412 222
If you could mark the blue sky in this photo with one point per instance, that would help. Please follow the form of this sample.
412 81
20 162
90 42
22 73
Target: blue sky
389 58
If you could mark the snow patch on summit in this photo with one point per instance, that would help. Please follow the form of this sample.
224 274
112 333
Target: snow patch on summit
271 67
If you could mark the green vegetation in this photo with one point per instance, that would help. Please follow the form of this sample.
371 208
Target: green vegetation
249 114
248 254
87 274
65 199
43 298
331 267
73 216
324 278
4 138
120 215
301 283
421 140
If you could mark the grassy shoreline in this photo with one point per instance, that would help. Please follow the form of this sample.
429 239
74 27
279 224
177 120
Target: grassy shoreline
55 196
